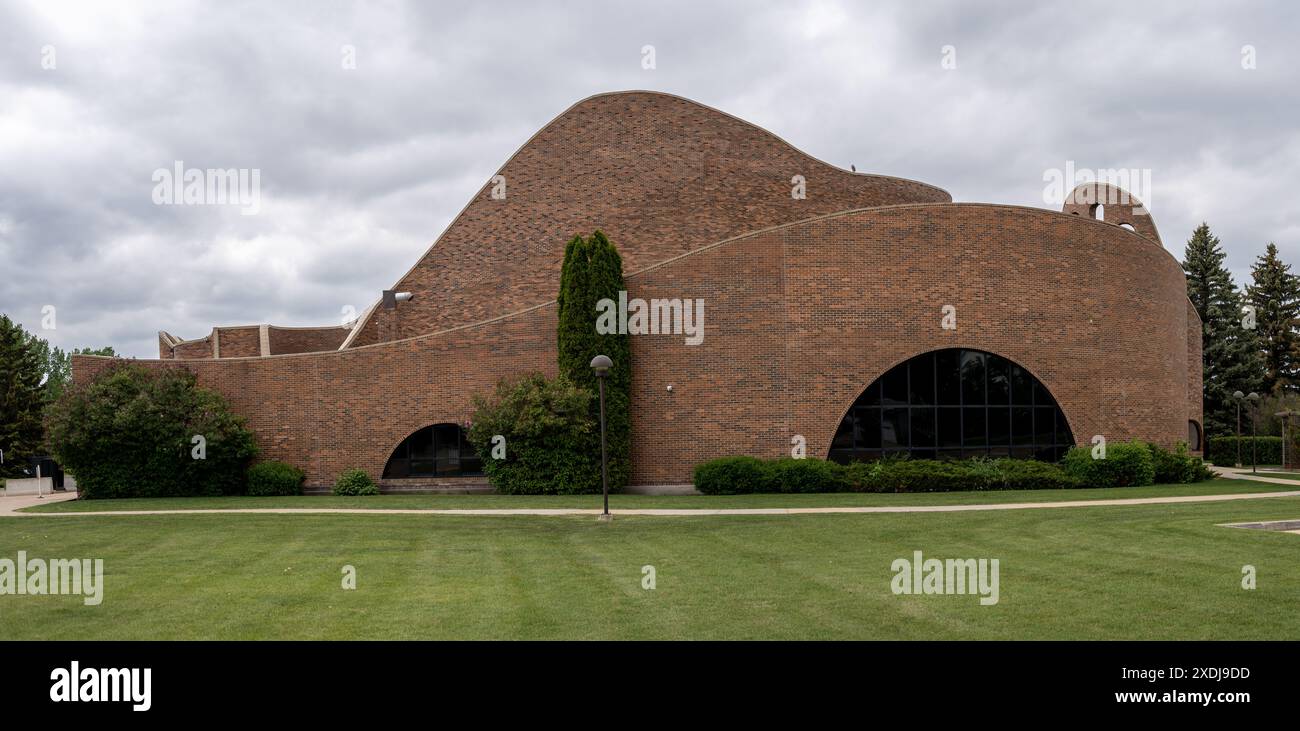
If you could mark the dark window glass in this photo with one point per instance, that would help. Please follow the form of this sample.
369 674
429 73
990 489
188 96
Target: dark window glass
999 374
441 450
1022 426
974 430
844 435
973 390
921 379
893 429
1041 397
922 428
949 427
868 429
1193 435
987 405
1044 424
999 426
895 386
1022 391
947 365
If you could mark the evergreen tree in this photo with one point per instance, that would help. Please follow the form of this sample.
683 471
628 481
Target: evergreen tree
1275 295
1230 353
593 271
22 399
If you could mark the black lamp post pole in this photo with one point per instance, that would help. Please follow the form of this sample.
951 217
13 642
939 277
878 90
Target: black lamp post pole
1238 432
1253 439
604 461
601 365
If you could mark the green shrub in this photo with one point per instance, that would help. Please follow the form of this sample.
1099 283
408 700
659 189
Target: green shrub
1223 450
733 476
929 475
547 428
1178 466
806 476
355 482
1125 465
274 478
130 432
1029 474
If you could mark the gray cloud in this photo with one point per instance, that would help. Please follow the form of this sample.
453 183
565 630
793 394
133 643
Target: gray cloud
362 168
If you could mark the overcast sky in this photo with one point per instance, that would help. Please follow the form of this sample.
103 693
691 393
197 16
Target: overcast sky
361 168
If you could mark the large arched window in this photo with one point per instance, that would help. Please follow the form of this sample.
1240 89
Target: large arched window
440 450
954 403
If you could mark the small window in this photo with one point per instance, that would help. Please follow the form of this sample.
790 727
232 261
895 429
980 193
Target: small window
1193 435
1128 226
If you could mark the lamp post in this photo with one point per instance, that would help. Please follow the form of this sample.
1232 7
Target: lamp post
1237 396
601 365
1253 398
1285 416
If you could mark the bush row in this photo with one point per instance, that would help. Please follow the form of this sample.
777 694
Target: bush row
1125 465
1223 450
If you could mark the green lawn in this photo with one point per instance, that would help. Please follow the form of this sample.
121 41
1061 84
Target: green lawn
1145 572
1211 487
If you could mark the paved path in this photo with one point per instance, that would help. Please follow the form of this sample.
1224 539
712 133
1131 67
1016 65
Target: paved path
9 505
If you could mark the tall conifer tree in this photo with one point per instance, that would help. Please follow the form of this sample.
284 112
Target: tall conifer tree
1229 351
1275 294
22 398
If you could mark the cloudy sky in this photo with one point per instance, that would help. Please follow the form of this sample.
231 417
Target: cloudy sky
361 168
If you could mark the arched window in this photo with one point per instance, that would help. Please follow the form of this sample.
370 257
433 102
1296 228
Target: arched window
1193 435
440 450
954 403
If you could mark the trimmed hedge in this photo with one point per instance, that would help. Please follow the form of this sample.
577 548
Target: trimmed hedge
274 478
355 482
743 475
1223 450
733 476
1131 464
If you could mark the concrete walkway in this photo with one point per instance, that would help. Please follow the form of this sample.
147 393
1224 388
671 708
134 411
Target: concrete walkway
9 505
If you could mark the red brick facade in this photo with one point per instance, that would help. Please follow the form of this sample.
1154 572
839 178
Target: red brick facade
806 301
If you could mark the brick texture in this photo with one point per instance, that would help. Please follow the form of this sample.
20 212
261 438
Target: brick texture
800 315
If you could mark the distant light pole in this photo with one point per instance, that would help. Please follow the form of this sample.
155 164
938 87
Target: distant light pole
1254 400
1237 396
601 365
1286 423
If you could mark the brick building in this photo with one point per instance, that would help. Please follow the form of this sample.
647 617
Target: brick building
864 314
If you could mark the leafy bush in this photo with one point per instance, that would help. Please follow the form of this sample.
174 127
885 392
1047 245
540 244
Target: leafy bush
733 476
1125 465
129 432
547 428
355 482
805 476
274 478
1178 466
1223 450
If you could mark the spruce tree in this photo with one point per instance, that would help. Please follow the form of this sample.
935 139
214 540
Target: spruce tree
22 399
1230 354
1275 295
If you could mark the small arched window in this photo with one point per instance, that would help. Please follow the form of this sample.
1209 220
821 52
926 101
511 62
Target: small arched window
440 450
1193 435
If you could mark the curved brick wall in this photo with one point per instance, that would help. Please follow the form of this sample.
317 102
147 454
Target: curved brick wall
661 175
799 319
